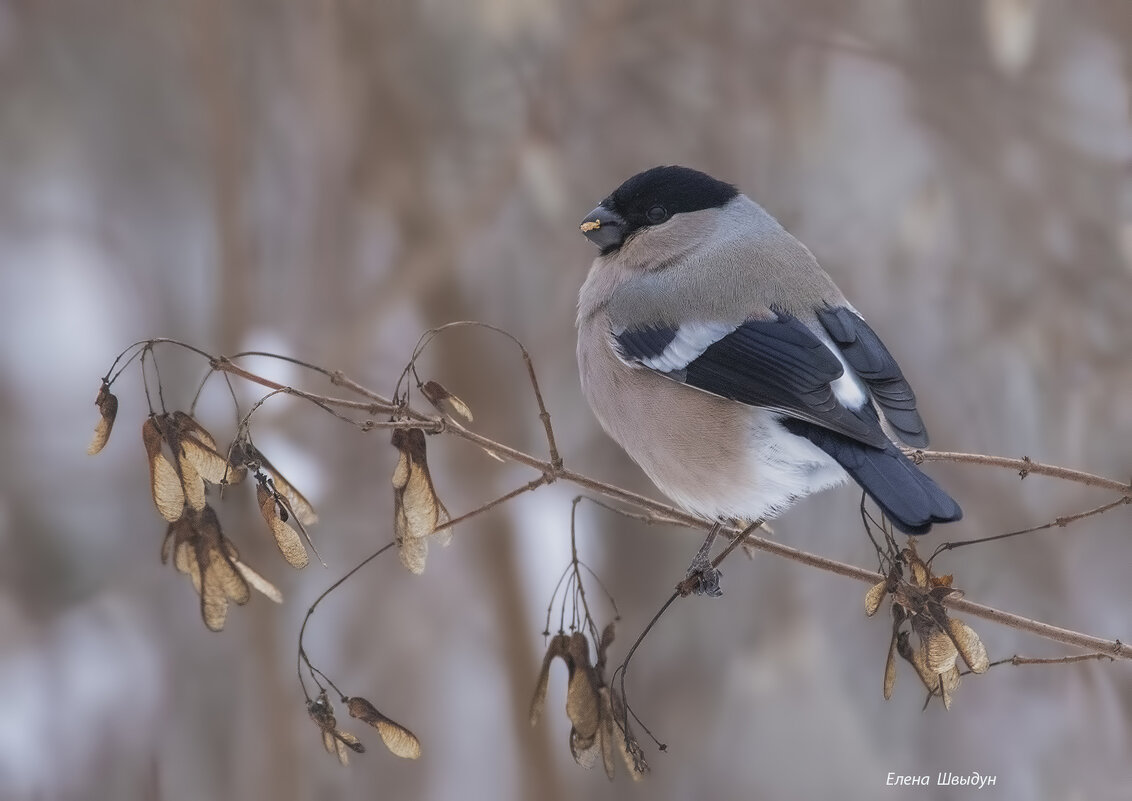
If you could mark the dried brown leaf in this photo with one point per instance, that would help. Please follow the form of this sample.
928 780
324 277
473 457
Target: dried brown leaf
107 404
286 538
398 739
445 401
164 483
874 597
970 647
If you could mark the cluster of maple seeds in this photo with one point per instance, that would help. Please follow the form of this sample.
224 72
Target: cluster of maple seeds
399 740
199 548
598 719
917 608
417 510
193 538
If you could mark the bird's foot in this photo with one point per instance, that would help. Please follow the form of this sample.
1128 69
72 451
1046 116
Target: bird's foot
702 577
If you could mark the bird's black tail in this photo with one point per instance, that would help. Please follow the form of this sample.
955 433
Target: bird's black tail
909 498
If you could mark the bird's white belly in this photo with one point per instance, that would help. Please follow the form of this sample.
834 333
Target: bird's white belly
714 457
775 469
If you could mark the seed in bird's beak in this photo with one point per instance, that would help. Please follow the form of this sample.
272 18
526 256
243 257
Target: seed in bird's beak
590 225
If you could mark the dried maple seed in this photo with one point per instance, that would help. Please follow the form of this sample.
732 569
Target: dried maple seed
970 647
558 648
200 550
290 498
874 597
192 484
890 669
286 538
334 740
595 711
399 740
417 511
445 401
164 482
107 404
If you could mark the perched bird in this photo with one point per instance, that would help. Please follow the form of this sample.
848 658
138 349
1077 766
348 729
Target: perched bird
727 364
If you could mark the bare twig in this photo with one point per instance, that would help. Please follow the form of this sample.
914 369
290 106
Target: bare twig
302 654
1055 660
1057 522
1025 467
528 487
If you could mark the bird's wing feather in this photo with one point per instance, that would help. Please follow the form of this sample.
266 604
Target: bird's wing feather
775 363
870 360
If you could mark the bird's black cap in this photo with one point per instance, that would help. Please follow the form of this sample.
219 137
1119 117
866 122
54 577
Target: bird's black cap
651 198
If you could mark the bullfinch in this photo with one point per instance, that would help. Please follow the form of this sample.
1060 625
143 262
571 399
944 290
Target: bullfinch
715 350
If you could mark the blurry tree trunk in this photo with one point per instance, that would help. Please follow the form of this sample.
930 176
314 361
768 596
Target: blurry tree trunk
228 155
498 565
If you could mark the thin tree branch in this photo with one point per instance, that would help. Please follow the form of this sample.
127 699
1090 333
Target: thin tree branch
528 487
553 470
1025 466
1054 660
1057 522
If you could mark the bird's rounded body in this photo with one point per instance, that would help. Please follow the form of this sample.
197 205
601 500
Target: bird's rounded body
715 350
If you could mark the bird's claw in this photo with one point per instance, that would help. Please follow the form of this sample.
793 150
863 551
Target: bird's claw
701 579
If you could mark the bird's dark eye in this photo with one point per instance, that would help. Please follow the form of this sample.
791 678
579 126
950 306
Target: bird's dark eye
657 214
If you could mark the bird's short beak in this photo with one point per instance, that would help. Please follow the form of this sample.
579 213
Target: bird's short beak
605 228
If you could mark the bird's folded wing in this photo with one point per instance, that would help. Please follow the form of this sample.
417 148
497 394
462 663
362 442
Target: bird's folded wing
777 363
870 360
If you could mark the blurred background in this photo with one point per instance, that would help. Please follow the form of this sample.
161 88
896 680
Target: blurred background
326 180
